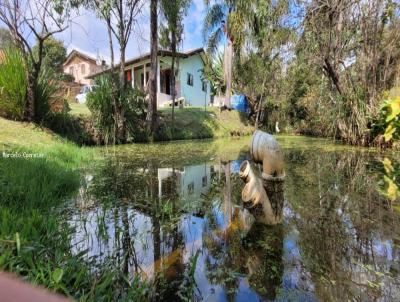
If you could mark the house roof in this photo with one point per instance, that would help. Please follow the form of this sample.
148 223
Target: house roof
84 56
161 52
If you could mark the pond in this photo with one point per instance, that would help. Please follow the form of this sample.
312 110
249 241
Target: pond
172 214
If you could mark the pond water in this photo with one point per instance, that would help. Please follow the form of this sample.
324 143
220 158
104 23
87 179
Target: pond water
172 214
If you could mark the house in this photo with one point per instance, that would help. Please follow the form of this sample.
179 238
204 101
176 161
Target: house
190 85
189 182
80 65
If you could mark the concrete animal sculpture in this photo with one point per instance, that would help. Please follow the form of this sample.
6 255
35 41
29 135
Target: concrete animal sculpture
264 149
255 198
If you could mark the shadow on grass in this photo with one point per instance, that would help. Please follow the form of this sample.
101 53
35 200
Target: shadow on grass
76 128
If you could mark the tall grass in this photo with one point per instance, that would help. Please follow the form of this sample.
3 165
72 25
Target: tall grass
105 103
46 91
100 103
13 84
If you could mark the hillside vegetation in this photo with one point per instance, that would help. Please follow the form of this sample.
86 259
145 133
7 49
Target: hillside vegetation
196 123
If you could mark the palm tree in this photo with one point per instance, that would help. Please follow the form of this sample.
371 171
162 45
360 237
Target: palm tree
225 21
171 35
213 73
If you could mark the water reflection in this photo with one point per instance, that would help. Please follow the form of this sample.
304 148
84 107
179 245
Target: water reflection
183 228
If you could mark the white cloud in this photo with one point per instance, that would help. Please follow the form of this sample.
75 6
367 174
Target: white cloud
193 25
89 34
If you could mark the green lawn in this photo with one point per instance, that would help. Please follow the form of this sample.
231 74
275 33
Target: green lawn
196 122
78 109
192 122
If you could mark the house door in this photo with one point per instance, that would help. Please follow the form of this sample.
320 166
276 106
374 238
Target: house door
165 81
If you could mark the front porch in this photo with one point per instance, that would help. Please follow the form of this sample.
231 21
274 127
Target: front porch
137 75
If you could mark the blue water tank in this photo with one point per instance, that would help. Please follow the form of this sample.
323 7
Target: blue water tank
239 102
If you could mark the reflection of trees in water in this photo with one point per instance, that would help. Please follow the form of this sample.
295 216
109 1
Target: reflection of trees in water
123 191
347 231
238 249
233 255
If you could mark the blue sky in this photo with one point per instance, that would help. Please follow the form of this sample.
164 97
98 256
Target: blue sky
89 34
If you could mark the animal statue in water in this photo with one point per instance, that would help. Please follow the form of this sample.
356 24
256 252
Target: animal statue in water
255 198
264 149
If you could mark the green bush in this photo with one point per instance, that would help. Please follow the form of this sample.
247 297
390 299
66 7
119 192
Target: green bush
135 106
102 103
66 77
13 83
388 124
46 92
13 87
74 128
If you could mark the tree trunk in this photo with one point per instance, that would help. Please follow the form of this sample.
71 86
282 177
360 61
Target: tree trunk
32 77
258 114
114 91
120 98
30 99
152 107
228 57
110 43
173 91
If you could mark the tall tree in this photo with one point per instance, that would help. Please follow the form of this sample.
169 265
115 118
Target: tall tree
174 12
357 52
226 20
152 107
120 17
40 19
54 53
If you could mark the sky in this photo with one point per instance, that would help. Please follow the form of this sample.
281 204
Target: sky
89 34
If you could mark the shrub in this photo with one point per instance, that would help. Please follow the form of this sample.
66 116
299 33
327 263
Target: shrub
102 103
388 124
66 77
135 105
46 92
13 83
391 111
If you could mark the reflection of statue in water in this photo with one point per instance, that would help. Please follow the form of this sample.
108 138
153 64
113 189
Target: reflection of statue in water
263 197
252 249
263 250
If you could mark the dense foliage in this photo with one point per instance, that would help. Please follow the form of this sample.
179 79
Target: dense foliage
317 67
13 84
104 103
54 54
389 121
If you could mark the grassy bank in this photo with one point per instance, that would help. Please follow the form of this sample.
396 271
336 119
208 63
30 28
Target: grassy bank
31 139
38 172
191 122
197 123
